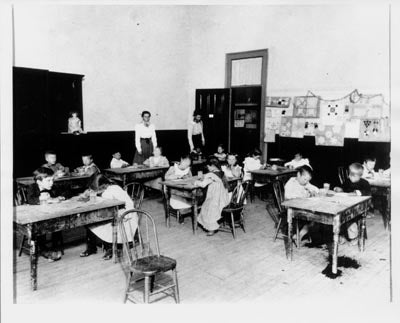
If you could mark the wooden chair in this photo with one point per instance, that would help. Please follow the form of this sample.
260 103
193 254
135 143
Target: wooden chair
235 208
143 258
279 212
343 173
136 192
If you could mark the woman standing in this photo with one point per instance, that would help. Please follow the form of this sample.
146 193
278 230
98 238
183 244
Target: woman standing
195 132
145 139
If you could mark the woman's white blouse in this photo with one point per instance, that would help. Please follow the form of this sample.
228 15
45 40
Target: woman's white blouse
141 131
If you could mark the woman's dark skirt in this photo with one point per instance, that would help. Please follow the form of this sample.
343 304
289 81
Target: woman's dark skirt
197 141
147 151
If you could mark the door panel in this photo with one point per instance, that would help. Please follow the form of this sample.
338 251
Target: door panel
214 107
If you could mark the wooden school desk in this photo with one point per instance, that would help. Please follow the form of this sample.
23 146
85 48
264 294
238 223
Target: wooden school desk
35 220
380 186
135 173
269 175
332 210
186 188
68 182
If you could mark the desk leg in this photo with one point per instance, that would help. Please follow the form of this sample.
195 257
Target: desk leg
33 255
114 235
363 226
194 205
336 231
290 220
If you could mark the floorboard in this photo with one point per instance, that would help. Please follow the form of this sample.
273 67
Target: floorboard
218 269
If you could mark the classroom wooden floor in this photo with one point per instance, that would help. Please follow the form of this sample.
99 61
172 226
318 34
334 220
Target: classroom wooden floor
251 268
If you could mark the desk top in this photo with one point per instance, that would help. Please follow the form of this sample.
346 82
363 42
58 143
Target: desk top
135 169
379 181
29 179
26 213
188 183
326 204
271 172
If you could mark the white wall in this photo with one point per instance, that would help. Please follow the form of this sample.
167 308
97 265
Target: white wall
133 58
329 50
159 63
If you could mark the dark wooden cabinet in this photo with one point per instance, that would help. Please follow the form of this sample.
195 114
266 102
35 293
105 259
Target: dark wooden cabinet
231 117
42 101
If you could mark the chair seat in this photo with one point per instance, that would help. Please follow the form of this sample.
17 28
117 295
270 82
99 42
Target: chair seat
153 264
232 208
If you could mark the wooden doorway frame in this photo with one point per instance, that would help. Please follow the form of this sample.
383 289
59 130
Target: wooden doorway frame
263 53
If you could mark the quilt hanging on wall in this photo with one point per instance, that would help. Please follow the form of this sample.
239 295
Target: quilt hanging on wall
374 130
306 106
330 135
278 101
310 125
286 127
297 128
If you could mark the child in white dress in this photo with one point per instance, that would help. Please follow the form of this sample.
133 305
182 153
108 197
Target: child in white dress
298 161
117 162
109 190
74 124
180 170
157 160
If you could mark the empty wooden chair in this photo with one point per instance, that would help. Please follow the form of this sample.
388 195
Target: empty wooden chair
233 213
279 213
136 191
143 259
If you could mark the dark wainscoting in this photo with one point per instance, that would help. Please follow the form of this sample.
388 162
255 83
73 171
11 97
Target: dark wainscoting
325 160
29 150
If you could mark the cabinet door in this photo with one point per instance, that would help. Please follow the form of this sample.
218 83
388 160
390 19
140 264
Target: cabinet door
65 95
30 101
214 107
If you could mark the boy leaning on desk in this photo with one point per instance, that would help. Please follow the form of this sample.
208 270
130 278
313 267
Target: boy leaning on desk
42 192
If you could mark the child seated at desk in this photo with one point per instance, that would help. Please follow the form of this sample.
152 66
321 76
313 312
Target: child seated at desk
41 192
369 167
252 162
220 154
354 185
298 161
300 187
157 160
232 169
180 170
217 196
117 162
51 159
89 168
109 190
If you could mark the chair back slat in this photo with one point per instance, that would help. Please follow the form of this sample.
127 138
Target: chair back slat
143 240
239 195
279 194
136 191
343 173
